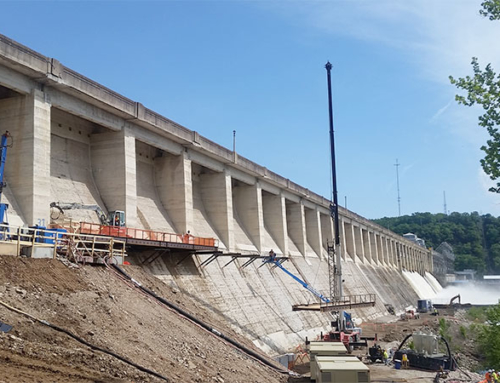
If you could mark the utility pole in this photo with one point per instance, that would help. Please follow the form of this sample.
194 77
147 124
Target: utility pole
397 179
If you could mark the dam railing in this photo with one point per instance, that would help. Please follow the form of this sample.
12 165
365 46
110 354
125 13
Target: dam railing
49 243
145 234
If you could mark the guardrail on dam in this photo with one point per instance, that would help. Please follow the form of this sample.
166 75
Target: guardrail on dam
78 141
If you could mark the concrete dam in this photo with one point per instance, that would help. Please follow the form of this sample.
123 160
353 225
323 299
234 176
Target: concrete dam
76 141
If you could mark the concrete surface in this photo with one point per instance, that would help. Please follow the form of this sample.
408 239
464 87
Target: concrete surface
77 141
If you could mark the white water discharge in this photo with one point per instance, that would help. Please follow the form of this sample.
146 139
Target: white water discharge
423 289
433 282
478 294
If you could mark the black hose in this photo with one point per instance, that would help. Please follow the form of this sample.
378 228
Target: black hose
123 359
77 338
403 342
199 322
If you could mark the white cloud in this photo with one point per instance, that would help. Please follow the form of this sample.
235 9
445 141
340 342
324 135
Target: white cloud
438 37
438 114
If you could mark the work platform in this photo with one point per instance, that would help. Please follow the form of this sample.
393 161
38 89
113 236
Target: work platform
346 302
143 237
251 258
38 242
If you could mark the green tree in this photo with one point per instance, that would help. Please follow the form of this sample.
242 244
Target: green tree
483 88
475 239
489 337
491 9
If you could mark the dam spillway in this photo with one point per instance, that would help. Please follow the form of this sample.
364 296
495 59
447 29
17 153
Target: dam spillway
78 141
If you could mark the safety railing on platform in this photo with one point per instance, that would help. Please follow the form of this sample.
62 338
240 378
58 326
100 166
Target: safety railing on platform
144 234
56 241
350 301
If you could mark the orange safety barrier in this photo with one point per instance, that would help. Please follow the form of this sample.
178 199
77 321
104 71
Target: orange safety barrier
148 235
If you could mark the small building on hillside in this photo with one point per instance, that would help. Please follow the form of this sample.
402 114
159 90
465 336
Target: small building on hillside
413 237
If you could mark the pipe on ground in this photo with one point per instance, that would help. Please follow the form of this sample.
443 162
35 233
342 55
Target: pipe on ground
199 322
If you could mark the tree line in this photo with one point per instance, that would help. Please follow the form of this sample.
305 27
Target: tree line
475 238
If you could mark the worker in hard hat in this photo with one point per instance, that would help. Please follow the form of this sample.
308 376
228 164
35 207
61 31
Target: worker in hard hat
404 361
487 376
272 255
385 357
494 376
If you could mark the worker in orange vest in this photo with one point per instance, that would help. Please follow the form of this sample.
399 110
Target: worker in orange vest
487 376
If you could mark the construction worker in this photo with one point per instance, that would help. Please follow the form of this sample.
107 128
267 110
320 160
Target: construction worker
494 376
385 357
186 237
487 376
272 255
404 360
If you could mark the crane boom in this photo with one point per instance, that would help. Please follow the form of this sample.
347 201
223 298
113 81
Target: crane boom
304 284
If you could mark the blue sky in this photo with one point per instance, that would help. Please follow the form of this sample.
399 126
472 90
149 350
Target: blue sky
257 67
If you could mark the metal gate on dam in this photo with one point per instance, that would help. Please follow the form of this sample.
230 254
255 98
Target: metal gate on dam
78 142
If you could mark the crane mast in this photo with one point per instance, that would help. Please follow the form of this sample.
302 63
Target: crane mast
334 250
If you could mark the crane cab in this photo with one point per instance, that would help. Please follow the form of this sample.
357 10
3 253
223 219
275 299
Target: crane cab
117 218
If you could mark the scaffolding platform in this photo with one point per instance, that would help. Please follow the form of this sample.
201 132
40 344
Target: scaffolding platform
251 258
346 302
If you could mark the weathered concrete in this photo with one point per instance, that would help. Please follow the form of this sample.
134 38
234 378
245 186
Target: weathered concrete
77 141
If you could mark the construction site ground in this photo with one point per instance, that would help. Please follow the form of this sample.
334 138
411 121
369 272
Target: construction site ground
93 303
391 332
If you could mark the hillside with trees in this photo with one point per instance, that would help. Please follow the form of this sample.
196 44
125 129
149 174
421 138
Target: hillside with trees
475 238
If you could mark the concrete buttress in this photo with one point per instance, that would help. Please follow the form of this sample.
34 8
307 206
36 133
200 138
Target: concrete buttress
27 118
218 201
113 157
274 207
173 177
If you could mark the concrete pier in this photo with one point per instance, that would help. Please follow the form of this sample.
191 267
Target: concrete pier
78 141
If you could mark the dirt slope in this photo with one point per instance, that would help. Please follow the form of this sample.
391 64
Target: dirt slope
95 304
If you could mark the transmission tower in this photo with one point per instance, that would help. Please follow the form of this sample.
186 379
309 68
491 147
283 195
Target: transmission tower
397 179
445 207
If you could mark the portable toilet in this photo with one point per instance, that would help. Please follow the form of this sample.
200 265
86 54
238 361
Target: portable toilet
317 358
342 372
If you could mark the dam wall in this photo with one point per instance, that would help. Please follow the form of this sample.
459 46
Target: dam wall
76 141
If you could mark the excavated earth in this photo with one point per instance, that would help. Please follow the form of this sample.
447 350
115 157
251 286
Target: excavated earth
93 303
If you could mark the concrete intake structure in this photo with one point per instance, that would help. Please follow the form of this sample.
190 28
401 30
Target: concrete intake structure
78 141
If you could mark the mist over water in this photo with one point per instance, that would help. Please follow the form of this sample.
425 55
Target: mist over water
479 294
428 287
